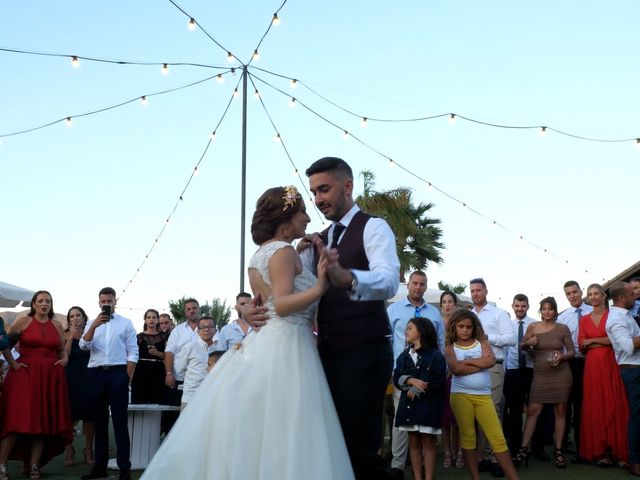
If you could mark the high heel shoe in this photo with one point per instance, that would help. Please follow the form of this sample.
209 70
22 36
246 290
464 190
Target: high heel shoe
35 472
88 456
522 457
446 461
68 462
4 474
460 463
560 461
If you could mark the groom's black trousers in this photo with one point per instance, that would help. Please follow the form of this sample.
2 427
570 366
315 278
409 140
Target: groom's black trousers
358 378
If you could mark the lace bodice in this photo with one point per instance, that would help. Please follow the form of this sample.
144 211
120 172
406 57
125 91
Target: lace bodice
303 281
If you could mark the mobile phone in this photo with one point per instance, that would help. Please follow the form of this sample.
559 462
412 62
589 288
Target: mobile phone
106 311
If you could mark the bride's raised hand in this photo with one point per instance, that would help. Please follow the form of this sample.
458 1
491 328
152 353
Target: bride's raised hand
323 271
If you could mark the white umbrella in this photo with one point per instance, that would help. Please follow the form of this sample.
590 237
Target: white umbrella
12 296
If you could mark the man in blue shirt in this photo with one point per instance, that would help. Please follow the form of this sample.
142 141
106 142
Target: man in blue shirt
400 313
235 331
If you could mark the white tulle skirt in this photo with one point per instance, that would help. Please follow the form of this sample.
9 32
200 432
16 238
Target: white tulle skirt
264 412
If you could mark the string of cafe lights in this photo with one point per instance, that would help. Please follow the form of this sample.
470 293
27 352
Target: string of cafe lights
143 99
280 140
430 185
180 199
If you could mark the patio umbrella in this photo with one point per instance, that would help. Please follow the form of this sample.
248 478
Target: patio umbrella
12 296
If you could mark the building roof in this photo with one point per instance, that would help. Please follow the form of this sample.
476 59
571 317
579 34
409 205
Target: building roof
625 275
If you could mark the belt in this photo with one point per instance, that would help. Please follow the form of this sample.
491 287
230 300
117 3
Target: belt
150 360
109 367
629 366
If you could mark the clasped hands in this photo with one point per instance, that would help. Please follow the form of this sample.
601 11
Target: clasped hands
418 387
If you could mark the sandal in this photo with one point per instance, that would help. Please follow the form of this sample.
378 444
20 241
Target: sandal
446 462
560 461
4 474
460 463
604 463
35 472
522 457
88 456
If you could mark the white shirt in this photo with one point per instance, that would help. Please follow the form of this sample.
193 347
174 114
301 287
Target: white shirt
180 336
498 327
380 282
569 317
511 352
621 327
478 383
114 343
191 364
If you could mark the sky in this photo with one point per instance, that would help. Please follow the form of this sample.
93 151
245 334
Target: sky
82 205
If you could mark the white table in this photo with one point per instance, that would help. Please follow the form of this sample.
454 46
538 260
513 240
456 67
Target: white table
144 433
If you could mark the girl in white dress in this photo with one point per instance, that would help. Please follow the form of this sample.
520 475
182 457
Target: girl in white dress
265 411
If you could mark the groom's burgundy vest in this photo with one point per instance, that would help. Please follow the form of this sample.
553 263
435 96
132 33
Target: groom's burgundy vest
342 322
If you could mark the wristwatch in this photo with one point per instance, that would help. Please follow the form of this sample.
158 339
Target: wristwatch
354 283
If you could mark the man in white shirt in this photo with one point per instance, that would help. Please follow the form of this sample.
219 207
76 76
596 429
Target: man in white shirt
112 341
624 334
571 318
234 332
191 364
500 333
399 313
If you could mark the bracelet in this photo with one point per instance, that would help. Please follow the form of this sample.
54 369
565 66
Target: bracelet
169 373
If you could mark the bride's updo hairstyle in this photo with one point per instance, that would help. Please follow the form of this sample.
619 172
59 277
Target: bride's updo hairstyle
274 207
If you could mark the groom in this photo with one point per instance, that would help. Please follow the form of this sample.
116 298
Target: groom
353 328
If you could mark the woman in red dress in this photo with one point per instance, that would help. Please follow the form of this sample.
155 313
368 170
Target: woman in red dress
36 418
603 426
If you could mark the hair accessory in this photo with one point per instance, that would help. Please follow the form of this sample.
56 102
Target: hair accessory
290 196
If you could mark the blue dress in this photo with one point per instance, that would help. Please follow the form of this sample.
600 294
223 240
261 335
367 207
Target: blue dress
77 381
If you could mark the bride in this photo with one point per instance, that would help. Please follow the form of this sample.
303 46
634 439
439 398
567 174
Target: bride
265 412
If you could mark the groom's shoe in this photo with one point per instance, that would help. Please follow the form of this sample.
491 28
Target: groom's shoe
397 474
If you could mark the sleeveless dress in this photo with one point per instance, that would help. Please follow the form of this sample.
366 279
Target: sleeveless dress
80 399
551 384
605 410
147 385
264 412
35 399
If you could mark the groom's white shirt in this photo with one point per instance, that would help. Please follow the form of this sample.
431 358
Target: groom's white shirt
381 281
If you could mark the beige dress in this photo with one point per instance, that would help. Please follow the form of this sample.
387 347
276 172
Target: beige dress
551 384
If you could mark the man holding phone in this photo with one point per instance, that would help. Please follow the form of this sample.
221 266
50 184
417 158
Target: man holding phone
111 339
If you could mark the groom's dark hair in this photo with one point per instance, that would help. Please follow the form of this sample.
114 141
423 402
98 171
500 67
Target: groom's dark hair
330 164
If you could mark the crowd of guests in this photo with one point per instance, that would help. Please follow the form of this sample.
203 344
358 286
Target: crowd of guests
512 386
89 370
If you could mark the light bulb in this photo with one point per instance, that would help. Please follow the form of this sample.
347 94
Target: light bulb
144 101
256 93
543 132
167 223
75 62
275 20
292 102
363 123
220 78
235 92
345 135
256 55
165 69
230 57
452 119
430 185
637 143
192 24
392 163
295 173
212 135
294 83
68 121
196 171
277 138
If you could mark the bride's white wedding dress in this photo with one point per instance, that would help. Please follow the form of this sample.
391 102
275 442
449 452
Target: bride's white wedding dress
264 412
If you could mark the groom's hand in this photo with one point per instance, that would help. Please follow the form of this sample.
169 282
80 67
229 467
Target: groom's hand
255 314
340 277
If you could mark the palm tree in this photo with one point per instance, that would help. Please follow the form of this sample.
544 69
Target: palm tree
417 235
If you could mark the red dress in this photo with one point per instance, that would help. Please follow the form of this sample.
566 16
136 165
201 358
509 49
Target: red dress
35 400
605 410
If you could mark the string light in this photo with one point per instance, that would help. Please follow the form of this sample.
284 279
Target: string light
230 57
220 78
235 92
196 171
392 163
276 20
256 55
292 102
212 135
637 143
143 101
345 135
543 132
277 138
165 69
452 119
256 93
294 83
363 122
192 24
75 62
68 121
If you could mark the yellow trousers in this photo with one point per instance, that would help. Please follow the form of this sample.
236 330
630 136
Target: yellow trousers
471 408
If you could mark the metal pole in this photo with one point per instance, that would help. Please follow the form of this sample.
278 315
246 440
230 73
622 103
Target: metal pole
243 187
